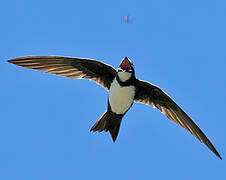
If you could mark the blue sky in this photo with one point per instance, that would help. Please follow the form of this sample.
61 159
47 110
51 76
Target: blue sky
45 119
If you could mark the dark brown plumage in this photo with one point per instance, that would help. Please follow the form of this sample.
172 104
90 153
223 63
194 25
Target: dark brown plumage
152 95
74 68
147 93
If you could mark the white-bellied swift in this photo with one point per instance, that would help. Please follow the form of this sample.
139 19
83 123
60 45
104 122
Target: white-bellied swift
124 89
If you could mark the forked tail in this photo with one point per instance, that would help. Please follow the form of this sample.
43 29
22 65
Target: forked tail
109 121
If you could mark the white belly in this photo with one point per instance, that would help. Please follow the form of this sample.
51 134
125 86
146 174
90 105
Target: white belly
120 98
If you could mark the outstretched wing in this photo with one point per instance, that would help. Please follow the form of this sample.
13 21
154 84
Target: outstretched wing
149 94
74 68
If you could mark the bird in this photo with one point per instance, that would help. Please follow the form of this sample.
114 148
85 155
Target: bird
123 87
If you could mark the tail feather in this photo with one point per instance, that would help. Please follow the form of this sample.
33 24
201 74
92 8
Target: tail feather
100 125
109 121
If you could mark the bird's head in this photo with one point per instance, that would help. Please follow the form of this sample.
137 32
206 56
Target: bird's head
125 70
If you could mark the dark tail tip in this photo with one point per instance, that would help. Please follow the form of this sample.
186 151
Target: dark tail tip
114 131
108 122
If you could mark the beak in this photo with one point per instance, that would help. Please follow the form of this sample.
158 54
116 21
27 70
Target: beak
126 64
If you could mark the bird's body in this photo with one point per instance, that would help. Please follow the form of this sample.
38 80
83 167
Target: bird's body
121 97
124 89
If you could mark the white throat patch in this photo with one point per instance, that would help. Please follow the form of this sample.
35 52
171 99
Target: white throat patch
124 76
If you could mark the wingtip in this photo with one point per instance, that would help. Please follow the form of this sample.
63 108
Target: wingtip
212 148
215 152
13 61
10 61
218 155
